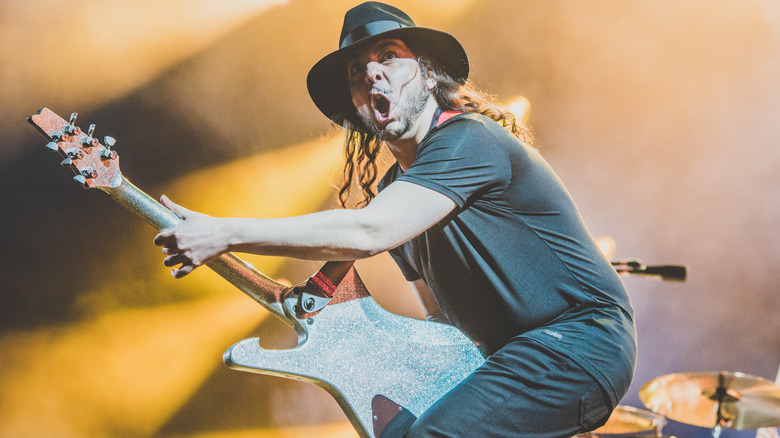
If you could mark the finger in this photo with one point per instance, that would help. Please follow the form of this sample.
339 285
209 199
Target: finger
181 272
174 207
176 259
164 238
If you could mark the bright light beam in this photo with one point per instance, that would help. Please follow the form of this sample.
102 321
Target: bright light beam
97 51
125 372
117 375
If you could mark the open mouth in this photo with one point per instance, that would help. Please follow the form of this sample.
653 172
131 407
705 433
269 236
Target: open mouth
381 106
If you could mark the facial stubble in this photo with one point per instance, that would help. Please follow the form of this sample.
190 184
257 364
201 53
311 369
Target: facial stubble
412 104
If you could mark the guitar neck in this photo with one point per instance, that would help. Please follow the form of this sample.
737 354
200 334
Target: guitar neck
97 166
239 273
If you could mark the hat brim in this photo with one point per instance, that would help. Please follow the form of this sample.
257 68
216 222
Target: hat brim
327 80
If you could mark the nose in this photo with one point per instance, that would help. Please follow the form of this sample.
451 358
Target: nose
374 72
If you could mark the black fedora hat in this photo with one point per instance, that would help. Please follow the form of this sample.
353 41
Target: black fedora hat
327 80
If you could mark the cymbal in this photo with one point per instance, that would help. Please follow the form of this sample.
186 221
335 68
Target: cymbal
627 419
709 399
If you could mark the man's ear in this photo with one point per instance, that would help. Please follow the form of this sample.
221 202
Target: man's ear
430 82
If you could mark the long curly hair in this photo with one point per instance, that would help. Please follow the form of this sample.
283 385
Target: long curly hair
362 147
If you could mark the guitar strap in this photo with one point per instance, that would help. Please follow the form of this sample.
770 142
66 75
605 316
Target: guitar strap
446 115
328 278
319 289
323 284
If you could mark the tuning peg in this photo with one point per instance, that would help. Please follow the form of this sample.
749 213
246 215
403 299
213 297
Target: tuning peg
55 138
88 141
108 154
72 154
75 154
72 129
86 173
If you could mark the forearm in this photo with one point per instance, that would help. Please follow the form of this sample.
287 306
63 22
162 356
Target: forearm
399 213
326 235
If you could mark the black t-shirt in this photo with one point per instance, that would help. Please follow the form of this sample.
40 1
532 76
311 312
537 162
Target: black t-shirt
515 258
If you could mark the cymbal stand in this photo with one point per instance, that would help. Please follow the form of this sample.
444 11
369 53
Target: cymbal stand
721 395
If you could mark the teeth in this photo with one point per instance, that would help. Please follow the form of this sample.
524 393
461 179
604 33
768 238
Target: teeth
377 94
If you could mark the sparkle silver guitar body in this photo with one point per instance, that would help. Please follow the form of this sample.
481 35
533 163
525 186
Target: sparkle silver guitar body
376 364
356 351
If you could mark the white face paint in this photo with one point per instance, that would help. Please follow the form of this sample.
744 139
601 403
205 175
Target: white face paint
388 88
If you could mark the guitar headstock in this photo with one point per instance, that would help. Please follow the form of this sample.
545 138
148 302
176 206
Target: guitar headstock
94 163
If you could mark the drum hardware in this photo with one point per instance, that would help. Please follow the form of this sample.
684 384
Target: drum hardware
715 400
627 421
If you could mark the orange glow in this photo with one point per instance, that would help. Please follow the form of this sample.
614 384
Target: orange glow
660 117
119 374
328 430
607 245
264 185
130 370
521 108
107 56
288 182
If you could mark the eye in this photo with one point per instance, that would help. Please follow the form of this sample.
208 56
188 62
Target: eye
389 55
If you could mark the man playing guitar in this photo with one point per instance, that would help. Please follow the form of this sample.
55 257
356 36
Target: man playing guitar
475 219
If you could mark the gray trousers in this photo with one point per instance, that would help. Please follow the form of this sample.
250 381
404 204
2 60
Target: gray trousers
523 390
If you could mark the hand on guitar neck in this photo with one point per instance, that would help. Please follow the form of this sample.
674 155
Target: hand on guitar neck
197 240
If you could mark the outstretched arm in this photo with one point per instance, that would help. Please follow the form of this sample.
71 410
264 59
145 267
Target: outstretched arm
399 213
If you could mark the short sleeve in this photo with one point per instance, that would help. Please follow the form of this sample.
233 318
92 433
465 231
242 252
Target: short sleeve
410 274
460 161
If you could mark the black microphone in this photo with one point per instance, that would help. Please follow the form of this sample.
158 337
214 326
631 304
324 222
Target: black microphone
659 272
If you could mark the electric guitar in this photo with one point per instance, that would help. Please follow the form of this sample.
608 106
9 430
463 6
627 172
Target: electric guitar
383 369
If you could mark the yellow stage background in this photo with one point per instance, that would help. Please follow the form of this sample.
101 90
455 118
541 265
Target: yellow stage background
660 116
